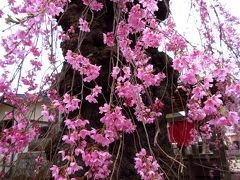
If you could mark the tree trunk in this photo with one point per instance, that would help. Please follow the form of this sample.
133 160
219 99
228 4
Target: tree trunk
71 81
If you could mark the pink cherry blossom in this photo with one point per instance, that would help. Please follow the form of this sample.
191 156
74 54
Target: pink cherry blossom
135 19
73 168
108 39
83 25
94 94
99 162
115 72
150 5
93 4
147 76
55 171
146 166
64 157
212 104
151 38
83 65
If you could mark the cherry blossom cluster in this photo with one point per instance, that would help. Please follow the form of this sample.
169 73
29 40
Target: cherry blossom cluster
114 123
97 160
208 80
17 137
83 65
132 94
67 105
94 94
147 76
93 4
108 39
146 166
147 114
20 65
75 138
83 25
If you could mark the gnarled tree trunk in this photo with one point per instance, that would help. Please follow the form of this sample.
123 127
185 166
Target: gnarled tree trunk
99 54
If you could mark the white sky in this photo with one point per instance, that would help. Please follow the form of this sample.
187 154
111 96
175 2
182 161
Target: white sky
185 24
179 9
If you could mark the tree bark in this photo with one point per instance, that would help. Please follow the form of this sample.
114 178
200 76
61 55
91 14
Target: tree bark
71 81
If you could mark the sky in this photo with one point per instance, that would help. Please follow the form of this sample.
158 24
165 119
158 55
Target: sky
185 24
179 9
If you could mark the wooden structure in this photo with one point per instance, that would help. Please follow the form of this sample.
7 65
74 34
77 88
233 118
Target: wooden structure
199 165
